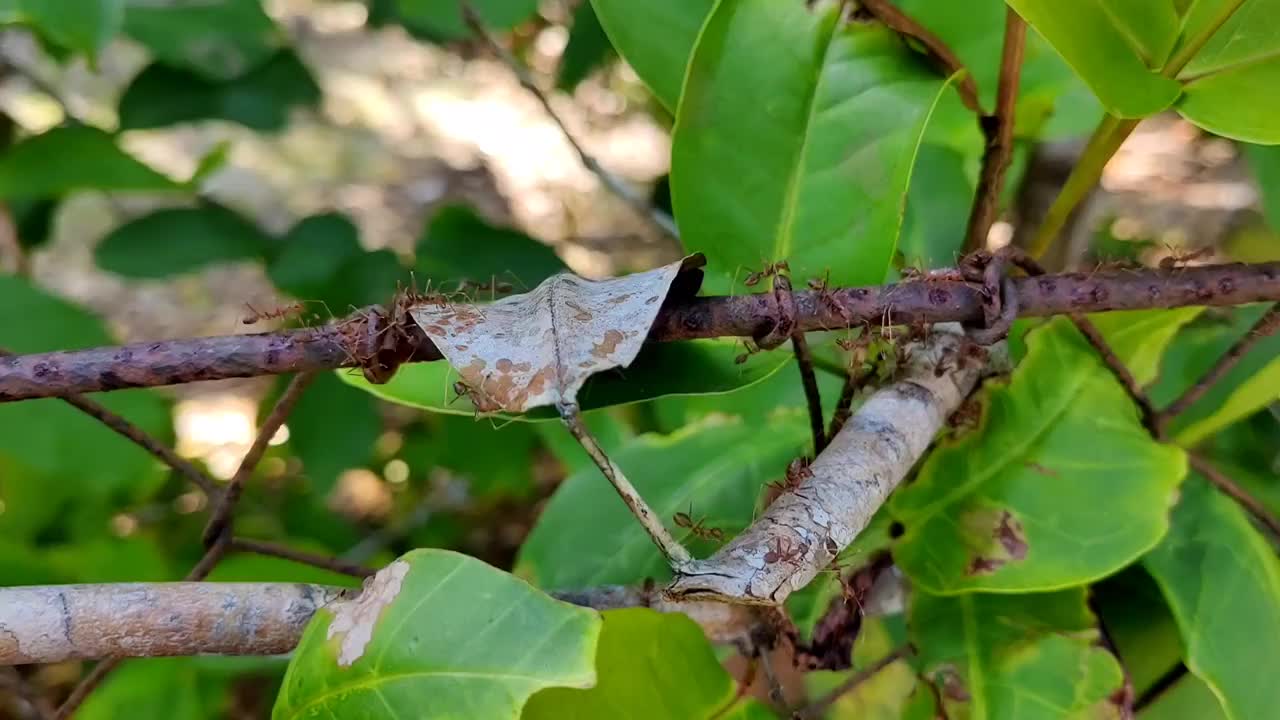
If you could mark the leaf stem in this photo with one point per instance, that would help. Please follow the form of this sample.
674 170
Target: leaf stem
1187 52
675 553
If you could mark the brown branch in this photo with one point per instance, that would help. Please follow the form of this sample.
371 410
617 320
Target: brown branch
942 56
804 360
86 686
819 706
340 345
220 518
612 183
54 623
323 562
998 129
1229 487
1265 326
1118 369
852 382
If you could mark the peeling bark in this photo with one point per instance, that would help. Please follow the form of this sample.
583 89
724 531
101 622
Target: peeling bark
806 528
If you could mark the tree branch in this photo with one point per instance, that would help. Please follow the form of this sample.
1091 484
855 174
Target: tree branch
1229 487
340 344
999 132
804 530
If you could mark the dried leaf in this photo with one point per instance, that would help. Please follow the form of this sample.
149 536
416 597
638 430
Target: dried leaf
538 348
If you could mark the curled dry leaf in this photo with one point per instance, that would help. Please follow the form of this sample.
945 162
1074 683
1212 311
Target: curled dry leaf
538 348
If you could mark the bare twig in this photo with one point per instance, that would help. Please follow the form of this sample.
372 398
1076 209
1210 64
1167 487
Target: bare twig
137 435
675 553
804 360
776 694
87 685
1229 487
816 708
898 21
220 519
614 184
323 562
853 380
805 528
999 132
1264 327
339 345
1118 369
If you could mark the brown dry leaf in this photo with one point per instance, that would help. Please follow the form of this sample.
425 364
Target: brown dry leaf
538 348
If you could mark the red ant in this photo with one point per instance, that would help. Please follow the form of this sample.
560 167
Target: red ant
1176 258
278 313
699 528
770 269
784 553
797 472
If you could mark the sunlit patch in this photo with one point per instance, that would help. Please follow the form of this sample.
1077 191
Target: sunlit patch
217 429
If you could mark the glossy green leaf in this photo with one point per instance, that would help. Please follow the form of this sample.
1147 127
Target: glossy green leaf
180 240
1117 46
45 442
443 18
1249 386
74 158
586 536
443 636
155 689
458 245
1189 699
312 254
1014 505
650 666
332 428
218 39
84 26
1015 656
656 38
1265 164
1222 580
587 49
818 175
938 206
708 368
366 278
260 99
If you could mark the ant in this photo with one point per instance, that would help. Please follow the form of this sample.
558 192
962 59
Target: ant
1177 259
494 286
784 553
278 313
797 472
751 350
699 528
770 269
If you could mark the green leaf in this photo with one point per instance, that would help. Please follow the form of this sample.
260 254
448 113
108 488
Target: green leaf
1014 656
74 158
887 695
442 635
1140 626
459 245
260 99
707 368
1265 164
85 26
991 511
312 254
33 218
1214 102
938 206
367 278
820 178
650 666
1222 580
111 559
1116 46
588 48
217 39
1188 699
656 38
1250 385
333 428
465 447
586 536
180 240
442 19
155 689
1141 337
45 442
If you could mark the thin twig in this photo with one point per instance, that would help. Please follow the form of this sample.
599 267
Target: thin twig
1118 369
1163 684
331 564
614 184
771 678
1264 327
1228 486
804 360
220 519
170 362
137 435
950 64
675 553
816 708
999 131
853 381
86 686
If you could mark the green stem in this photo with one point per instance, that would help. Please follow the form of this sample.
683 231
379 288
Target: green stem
1191 49
1106 139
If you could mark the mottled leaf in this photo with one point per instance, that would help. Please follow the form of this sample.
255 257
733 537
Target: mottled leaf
438 635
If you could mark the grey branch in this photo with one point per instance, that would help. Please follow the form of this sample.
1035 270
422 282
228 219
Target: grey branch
804 530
